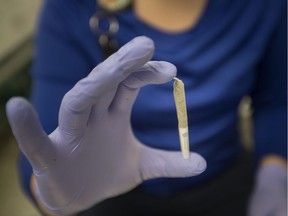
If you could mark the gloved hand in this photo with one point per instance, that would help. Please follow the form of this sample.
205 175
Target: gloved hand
92 154
270 194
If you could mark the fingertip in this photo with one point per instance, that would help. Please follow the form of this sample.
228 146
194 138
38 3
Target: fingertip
163 163
189 167
166 69
129 58
16 109
27 130
15 102
23 119
153 72
197 164
144 42
135 53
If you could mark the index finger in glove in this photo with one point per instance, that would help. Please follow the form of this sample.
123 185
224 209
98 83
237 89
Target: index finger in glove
103 79
153 72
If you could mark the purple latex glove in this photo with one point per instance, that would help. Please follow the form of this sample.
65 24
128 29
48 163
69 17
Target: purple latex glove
92 154
270 194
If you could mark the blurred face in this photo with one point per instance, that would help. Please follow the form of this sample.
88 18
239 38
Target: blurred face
114 5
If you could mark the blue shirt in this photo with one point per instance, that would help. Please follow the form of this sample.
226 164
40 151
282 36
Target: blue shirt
237 48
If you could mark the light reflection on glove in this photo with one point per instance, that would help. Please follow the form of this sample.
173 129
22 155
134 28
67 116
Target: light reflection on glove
270 194
93 155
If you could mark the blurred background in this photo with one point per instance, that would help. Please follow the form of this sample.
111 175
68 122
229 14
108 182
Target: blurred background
17 23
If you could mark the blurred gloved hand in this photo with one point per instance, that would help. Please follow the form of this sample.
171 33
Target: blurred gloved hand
270 194
92 154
